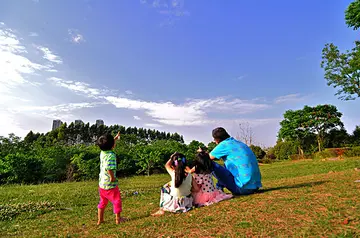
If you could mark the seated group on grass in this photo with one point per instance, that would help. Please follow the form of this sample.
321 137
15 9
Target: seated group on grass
188 187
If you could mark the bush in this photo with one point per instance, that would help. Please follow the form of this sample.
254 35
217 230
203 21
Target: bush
327 153
259 153
283 150
352 152
20 168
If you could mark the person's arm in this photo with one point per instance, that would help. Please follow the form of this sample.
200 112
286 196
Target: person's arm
188 170
111 166
220 151
116 138
212 157
195 187
168 166
112 177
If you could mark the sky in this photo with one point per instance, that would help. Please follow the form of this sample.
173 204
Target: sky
172 65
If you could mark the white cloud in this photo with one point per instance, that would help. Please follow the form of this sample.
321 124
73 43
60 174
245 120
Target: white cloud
33 34
153 125
77 87
172 10
49 55
129 92
192 112
75 36
15 67
296 97
62 111
137 118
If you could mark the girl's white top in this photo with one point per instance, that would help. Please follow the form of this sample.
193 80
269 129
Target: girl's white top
185 187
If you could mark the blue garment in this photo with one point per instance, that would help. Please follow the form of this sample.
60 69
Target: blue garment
240 161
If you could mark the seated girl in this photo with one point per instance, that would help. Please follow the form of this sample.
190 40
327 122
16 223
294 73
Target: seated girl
176 196
207 193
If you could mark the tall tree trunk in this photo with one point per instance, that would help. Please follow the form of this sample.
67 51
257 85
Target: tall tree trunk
319 143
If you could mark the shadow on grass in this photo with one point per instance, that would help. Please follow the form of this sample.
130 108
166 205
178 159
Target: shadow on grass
300 185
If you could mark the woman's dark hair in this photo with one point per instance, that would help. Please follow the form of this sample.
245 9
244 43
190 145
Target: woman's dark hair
179 164
106 142
220 134
203 163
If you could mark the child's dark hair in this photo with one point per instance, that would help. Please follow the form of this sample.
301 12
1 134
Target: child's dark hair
220 134
179 164
203 163
106 142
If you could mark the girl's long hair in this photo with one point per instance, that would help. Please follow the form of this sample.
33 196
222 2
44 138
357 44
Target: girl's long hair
179 164
203 163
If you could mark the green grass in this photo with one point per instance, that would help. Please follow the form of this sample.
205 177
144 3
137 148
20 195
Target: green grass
300 199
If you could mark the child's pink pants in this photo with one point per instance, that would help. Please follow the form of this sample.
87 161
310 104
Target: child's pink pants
112 195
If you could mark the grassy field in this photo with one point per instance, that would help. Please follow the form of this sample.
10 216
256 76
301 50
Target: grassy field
299 199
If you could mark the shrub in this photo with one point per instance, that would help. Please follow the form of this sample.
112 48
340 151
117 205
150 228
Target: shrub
283 150
352 152
20 168
259 153
327 153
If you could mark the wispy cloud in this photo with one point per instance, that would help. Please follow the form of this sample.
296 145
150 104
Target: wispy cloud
15 66
193 112
62 111
137 118
75 36
129 92
172 10
241 77
78 87
152 125
33 34
49 55
296 97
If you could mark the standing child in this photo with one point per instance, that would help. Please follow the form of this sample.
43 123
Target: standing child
207 194
176 197
108 184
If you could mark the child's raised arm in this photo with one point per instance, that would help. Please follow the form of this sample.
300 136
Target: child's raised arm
168 166
116 138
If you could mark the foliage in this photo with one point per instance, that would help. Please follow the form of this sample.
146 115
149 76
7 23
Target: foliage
326 154
20 168
258 151
356 136
283 150
301 124
211 146
352 152
342 70
352 15
69 154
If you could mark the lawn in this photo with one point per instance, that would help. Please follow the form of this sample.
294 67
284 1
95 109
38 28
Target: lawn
300 199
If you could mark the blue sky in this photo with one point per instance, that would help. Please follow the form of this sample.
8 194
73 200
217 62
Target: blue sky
173 65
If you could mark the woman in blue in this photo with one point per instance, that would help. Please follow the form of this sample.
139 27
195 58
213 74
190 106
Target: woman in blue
241 174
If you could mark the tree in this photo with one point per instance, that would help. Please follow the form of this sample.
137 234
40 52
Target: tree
293 128
356 136
211 146
245 133
342 70
298 125
352 15
322 119
147 158
258 151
